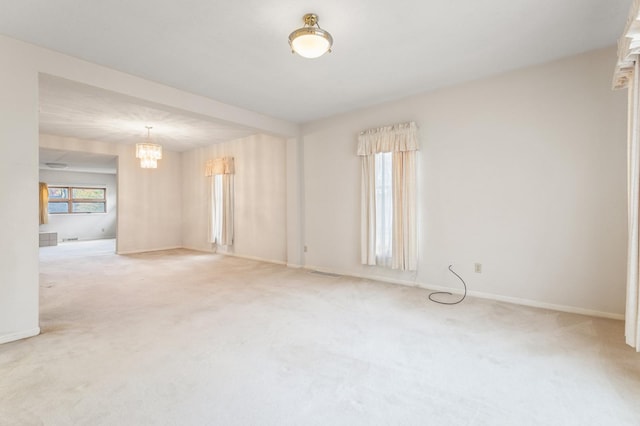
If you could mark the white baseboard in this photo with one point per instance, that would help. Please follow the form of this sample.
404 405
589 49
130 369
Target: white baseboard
199 249
220 252
294 265
19 335
480 295
259 259
390 280
529 302
148 250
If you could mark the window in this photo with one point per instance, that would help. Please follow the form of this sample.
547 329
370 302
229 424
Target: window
217 208
384 207
388 196
221 171
222 209
70 199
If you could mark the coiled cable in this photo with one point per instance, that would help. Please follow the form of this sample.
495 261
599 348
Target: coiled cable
448 293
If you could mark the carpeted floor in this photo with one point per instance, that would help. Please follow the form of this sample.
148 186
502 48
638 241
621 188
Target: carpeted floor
188 338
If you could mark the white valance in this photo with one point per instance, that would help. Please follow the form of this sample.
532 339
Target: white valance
220 166
628 48
396 138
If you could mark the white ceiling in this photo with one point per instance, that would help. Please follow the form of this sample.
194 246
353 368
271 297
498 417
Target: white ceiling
237 52
72 109
78 161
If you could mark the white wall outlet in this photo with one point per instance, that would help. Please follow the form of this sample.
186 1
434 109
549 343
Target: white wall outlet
305 249
477 268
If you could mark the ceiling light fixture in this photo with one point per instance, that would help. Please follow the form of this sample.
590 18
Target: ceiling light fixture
148 152
310 41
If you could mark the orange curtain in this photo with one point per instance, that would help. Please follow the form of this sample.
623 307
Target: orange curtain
44 203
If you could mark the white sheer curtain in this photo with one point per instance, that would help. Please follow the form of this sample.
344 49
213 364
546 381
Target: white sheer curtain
384 211
627 75
368 214
632 323
404 211
221 172
380 148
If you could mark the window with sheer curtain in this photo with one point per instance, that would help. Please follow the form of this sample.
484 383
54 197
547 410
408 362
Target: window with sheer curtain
627 75
388 196
217 200
384 207
221 172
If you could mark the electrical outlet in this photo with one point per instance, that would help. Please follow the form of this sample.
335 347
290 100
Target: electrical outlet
477 268
305 249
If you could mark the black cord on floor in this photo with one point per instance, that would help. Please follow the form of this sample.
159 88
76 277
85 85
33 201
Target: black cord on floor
446 292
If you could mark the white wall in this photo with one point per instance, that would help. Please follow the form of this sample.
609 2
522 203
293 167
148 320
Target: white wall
149 211
295 202
260 219
92 226
523 172
18 190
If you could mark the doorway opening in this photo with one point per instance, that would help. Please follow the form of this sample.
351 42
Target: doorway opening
80 204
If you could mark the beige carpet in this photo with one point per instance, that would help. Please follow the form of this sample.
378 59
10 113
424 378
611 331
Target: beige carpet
187 338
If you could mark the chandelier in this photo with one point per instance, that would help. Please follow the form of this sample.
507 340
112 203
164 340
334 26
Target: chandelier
310 41
148 152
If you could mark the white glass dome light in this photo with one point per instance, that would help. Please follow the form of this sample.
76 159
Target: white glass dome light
310 41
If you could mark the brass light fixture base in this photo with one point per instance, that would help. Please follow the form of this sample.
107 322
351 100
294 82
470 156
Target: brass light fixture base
310 19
